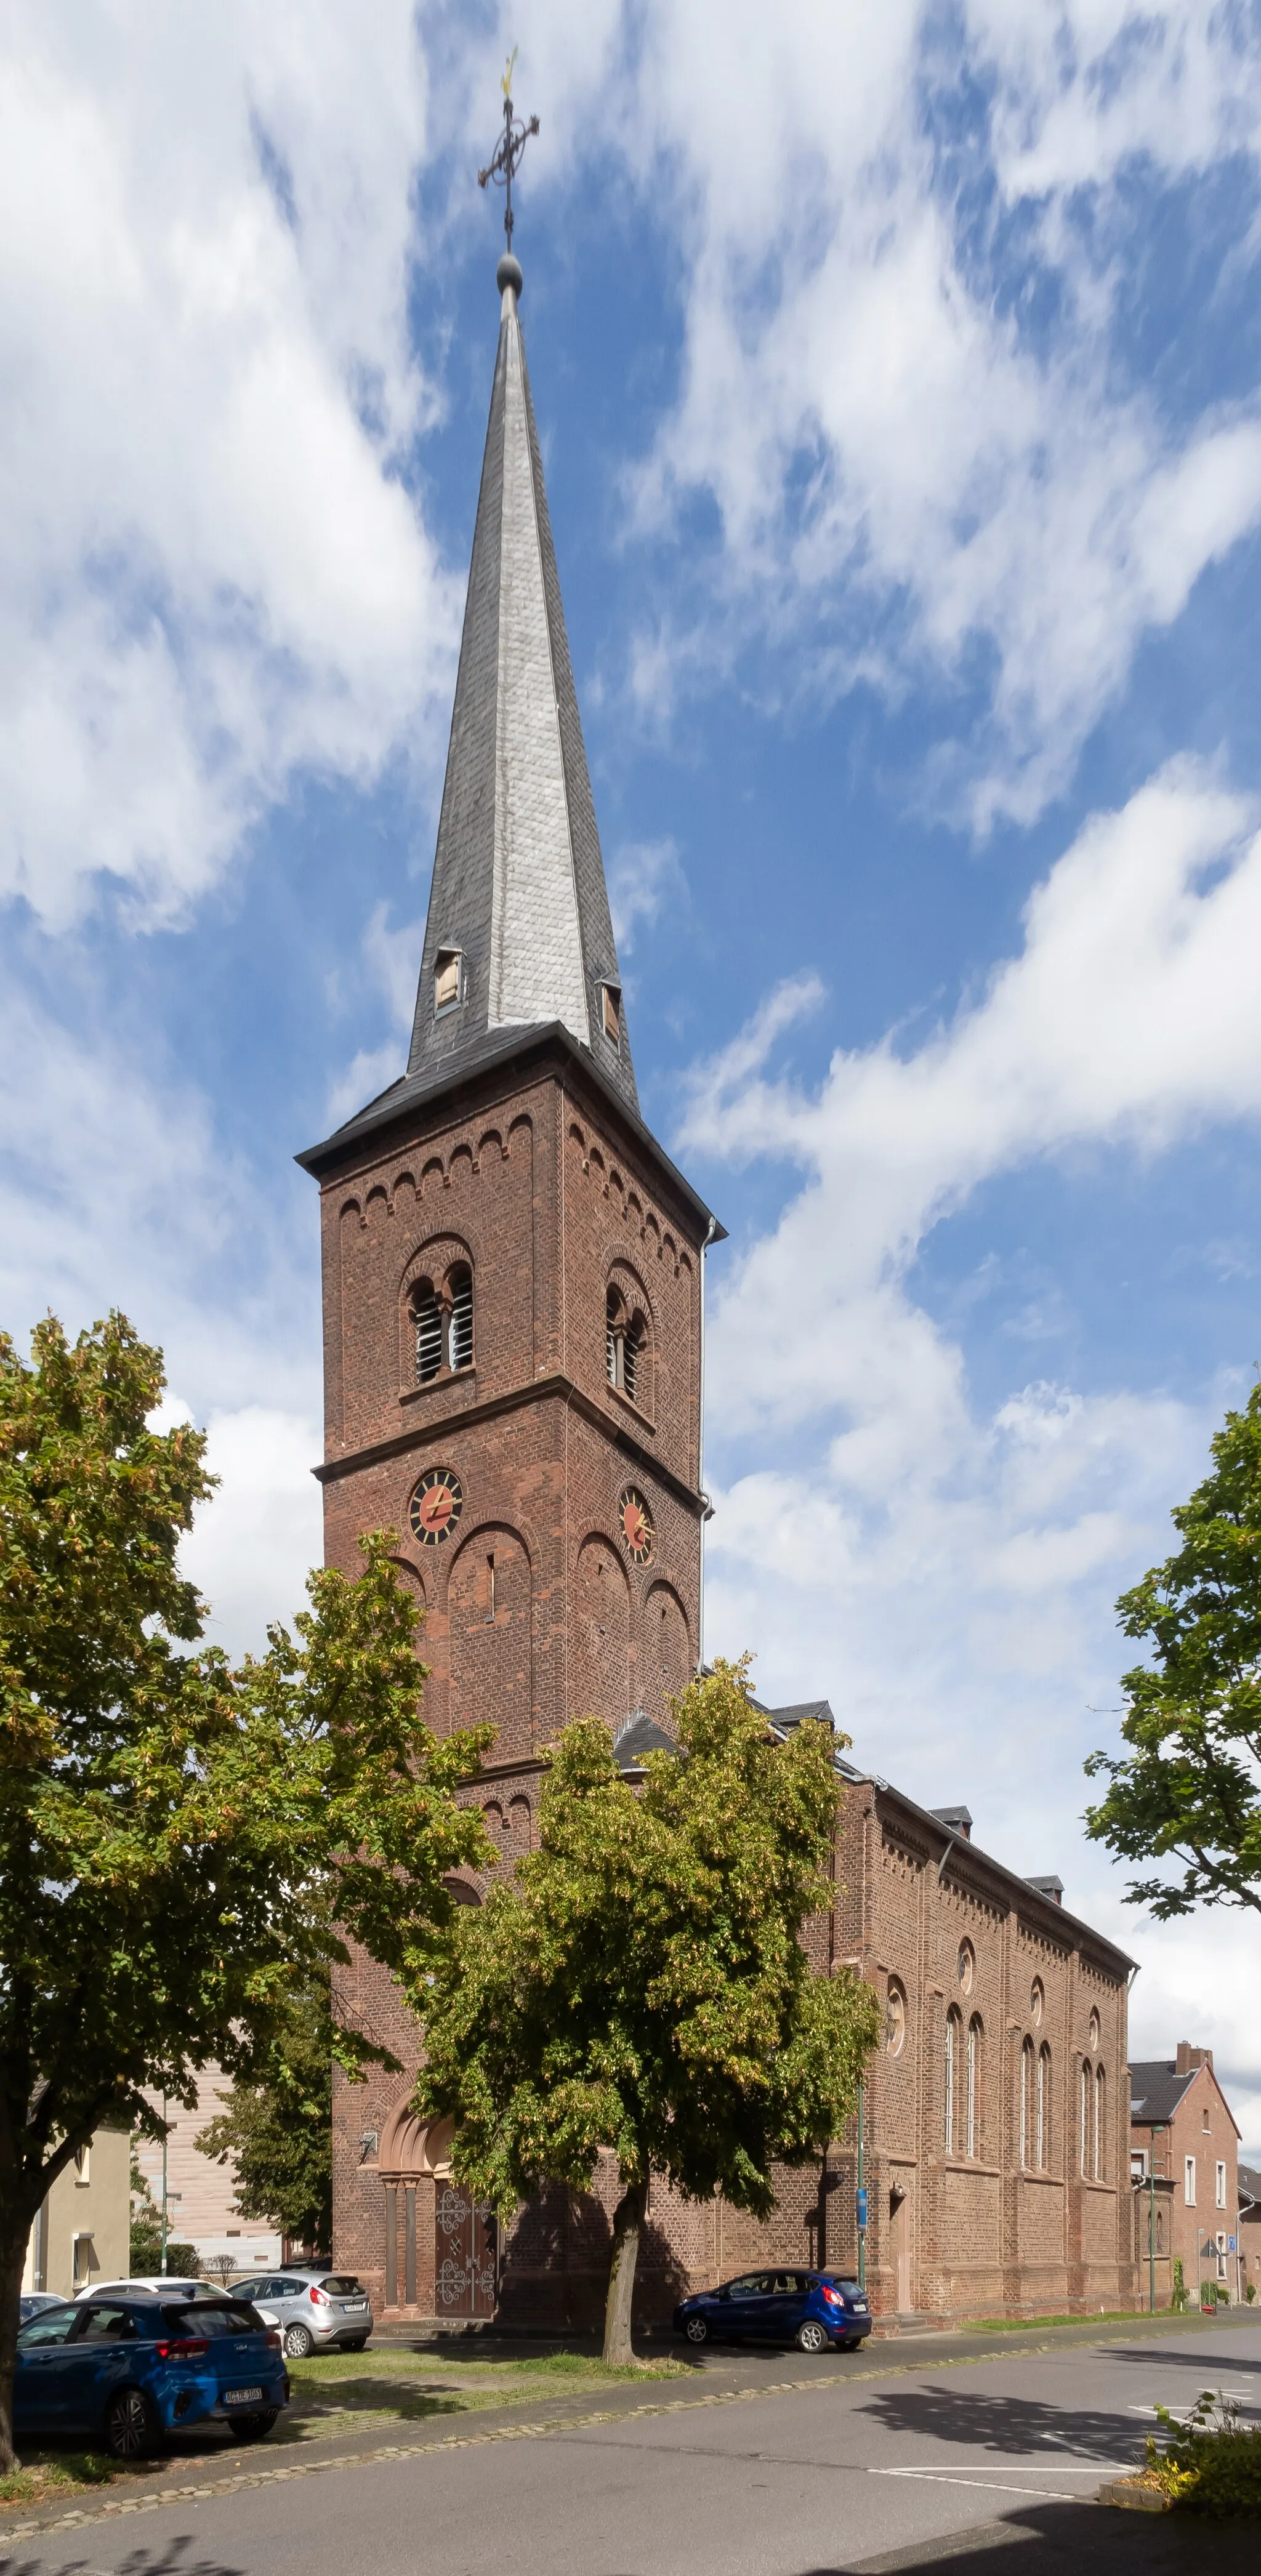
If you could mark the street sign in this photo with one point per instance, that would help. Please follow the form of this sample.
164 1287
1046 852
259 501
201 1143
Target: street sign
862 2206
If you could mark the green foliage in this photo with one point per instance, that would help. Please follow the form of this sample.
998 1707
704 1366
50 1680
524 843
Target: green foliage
1179 2296
1250 2292
278 2131
1189 1790
178 1837
639 1985
1208 2463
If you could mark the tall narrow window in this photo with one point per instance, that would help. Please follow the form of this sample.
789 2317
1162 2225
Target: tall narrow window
1084 2119
948 2125
1188 2181
1026 2093
1101 2125
446 979
428 1319
1221 2186
611 1012
460 1320
1042 2110
974 2052
490 1592
632 1348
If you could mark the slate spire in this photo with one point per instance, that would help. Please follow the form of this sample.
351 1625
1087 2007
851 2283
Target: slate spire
519 932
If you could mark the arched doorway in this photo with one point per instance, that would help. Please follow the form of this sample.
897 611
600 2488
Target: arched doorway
441 2246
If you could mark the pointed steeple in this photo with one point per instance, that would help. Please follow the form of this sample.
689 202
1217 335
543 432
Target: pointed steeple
519 932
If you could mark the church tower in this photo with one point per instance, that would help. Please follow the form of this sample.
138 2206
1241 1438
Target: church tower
512 1289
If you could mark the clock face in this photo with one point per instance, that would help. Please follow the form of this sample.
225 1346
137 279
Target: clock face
436 1506
634 1520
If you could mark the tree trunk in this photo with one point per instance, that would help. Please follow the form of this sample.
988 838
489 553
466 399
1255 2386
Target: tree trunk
628 2218
14 2230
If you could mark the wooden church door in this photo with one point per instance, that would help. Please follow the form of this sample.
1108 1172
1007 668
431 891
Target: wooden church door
464 2254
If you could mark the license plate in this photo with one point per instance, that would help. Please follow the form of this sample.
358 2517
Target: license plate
241 2396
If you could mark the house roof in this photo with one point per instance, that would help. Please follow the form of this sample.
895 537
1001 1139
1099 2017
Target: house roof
1249 2189
639 1737
1156 2089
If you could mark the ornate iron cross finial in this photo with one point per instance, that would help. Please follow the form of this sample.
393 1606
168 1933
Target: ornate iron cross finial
512 142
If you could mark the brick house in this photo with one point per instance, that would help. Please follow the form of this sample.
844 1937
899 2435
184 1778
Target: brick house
1183 2134
513 1320
1249 2230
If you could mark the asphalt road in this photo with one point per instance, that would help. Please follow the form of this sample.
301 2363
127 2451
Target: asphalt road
901 2458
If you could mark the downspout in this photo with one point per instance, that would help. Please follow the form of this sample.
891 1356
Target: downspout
700 1448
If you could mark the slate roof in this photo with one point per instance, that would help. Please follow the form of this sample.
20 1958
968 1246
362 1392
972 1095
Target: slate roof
518 881
640 1736
1249 2188
1156 2089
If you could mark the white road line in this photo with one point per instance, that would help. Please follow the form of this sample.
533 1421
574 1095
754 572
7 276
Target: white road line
993 2486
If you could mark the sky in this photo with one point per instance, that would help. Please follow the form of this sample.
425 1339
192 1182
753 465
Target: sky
898 374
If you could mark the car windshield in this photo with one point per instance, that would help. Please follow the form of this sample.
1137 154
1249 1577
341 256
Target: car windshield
229 2318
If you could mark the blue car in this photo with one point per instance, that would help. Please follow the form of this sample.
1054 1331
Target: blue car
128 2371
812 2309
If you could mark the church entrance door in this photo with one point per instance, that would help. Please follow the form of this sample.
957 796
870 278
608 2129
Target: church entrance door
464 2255
900 2241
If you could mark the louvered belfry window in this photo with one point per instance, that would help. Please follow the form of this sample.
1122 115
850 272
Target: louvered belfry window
460 1326
428 1315
632 1347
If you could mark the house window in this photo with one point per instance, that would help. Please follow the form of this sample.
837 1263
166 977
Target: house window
1101 2125
1026 2099
1138 2164
1188 2181
446 979
953 2031
611 1012
85 2262
83 2166
974 2078
1220 2194
1042 2110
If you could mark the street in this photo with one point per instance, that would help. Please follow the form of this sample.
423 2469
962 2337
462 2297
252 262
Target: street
766 2465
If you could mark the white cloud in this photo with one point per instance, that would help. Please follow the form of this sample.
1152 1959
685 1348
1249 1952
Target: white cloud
210 574
642 876
253 1544
906 378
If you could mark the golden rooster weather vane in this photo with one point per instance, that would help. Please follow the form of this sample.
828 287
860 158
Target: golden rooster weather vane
506 161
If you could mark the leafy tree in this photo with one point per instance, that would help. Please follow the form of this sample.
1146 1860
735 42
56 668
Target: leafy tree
640 1984
176 1836
1190 1788
277 2131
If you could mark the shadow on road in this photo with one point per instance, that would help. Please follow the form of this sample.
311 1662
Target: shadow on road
178 2558
1007 2424
1077 2540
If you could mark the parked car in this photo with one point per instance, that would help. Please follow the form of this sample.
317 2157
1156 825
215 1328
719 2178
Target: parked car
129 2370
812 2309
31 2301
316 2309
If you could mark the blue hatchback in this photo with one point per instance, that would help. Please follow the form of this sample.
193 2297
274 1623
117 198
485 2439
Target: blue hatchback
130 2370
812 2309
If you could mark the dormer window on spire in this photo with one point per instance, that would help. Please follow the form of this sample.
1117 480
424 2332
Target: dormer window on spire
611 1012
446 980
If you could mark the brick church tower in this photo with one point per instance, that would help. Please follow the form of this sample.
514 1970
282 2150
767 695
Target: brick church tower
512 1308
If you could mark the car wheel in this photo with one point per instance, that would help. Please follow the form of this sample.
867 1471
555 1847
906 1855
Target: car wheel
696 2330
811 2335
253 2428
132 2430
298 2342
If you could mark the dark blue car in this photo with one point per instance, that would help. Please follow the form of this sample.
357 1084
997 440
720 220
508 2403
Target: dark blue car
127 2371
812 2309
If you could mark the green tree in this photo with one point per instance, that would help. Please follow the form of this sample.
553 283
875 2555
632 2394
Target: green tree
1189 1790
640 1985
178 1836
278 2132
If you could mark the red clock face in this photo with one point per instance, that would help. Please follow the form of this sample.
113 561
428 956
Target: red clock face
436 1506
635 1523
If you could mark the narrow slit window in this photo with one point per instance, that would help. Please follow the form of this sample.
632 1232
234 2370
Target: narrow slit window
446 979
611 1012
1026 2088
428 1315
948 2124
1043 2109
490 1592
974 2046
460 1321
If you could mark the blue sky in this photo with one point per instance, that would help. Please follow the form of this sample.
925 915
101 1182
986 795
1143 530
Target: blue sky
900 390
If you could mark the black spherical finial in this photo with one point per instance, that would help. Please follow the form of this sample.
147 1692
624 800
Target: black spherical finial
508 273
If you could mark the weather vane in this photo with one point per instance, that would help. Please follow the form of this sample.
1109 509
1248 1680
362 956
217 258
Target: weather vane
512 142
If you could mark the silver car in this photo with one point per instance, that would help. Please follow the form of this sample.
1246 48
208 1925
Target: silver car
316 2309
